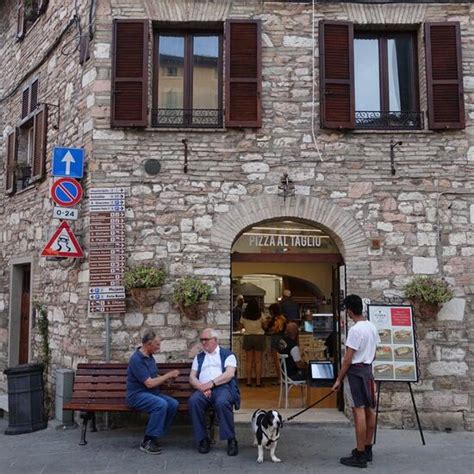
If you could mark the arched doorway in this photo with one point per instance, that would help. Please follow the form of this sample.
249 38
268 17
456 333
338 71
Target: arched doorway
288 254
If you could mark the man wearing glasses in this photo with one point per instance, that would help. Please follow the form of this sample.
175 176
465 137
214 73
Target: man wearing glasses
213 375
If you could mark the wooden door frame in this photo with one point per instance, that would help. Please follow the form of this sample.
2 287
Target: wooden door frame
14 314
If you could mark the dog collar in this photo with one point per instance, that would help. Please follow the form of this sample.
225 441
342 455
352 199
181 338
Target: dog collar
270 441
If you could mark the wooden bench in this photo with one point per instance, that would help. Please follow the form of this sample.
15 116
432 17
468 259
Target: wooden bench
103 388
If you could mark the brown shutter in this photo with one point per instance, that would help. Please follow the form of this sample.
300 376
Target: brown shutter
130 73
42 6
444 76
40 129
336 59
34 95
10 163
25 102
243 73
20 28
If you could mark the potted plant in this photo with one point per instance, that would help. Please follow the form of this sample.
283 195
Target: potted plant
144 284
428 294
191 296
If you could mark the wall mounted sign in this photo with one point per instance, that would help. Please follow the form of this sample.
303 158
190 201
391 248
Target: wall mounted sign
63 243
64 213
395 357
66 192
68 162
283 240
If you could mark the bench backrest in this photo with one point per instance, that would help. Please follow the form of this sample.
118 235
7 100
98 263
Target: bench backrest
104 386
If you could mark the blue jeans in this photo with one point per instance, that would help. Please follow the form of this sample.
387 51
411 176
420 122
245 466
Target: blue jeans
222 401
161 408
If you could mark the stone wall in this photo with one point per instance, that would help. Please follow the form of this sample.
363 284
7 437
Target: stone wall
187 222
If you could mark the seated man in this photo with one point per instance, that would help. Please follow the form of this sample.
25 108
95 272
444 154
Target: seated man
143 393
213 375
295 366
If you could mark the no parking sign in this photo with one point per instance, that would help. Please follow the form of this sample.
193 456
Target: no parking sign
66 192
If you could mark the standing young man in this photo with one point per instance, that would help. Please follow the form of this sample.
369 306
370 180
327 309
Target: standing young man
143 392
359 385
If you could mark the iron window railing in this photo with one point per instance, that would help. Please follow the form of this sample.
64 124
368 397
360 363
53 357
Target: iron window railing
197 118
376 120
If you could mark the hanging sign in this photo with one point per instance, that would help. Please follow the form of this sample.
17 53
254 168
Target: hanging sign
66 192
395 357
63 243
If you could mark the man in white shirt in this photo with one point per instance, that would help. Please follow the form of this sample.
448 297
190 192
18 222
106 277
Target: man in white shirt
213 375
359 385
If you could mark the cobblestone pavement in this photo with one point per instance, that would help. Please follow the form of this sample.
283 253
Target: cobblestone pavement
304 448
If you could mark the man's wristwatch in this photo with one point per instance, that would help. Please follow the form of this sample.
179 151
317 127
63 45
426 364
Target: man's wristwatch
213 384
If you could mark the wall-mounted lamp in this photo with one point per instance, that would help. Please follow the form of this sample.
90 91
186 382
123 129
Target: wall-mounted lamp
286 187
393 145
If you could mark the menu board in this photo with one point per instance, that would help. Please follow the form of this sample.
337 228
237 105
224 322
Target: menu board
395 357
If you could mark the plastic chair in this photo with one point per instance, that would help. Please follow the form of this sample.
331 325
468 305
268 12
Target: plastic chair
286 383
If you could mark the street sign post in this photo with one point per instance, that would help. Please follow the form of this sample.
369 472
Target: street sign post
66 192
68 162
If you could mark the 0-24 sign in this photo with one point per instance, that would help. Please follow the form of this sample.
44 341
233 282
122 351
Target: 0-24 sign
65 213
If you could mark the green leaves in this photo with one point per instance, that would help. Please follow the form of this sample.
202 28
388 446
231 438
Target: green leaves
189 290
429 289
144 277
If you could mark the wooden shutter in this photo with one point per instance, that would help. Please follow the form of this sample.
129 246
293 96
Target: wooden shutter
336 59
34 95
130 73
444 76
243 85
25 102
40 129
42 6
10 163
20 28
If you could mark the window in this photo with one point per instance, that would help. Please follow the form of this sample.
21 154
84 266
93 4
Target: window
385 81
369 80
188 76
188 89
26 144
28 12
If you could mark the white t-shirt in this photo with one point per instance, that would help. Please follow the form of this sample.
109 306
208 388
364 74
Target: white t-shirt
363 337
212 365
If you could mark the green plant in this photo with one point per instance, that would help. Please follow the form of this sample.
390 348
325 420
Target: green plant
428 289
144 277
189 290
43 329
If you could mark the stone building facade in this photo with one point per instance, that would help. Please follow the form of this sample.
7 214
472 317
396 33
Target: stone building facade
422 215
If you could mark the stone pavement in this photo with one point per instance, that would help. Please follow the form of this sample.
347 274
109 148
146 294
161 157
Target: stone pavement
304 448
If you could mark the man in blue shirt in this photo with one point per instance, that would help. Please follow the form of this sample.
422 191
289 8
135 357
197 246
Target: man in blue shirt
143 393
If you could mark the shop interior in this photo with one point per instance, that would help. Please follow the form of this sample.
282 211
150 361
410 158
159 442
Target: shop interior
268 259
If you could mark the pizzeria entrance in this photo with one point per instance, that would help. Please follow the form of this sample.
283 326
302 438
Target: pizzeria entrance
269 261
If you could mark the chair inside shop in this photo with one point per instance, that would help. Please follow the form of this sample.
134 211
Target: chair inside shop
286 383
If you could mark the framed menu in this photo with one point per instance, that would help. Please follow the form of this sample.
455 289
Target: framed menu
395 357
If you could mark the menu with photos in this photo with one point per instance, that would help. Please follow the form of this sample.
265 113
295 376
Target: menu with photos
395 357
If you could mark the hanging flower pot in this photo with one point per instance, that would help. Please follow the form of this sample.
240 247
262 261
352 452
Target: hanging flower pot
425 310
195 311
145 297
191 297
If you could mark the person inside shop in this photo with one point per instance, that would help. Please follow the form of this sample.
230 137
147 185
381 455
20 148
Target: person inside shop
296 367
254 341
237 312
275 326
213 375
356 367
143 392
289 307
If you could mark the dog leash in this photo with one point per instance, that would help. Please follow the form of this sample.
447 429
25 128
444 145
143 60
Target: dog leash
311 406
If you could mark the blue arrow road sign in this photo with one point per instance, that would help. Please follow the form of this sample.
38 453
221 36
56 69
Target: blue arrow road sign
68 162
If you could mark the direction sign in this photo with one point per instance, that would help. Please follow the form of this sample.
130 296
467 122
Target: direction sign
63 243
66 192
68 162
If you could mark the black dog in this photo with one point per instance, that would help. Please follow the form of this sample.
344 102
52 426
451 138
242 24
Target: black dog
266 427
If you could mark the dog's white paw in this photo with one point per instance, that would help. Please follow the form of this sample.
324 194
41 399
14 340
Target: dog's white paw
275 459
260 460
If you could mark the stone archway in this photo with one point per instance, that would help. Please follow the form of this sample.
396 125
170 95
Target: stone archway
337 222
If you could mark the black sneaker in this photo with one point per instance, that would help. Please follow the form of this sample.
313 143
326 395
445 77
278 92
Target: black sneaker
355 460
150 447
368 452
232 447
204 446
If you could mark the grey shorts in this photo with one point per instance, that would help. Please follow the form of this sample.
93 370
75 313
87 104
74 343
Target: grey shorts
359 386
254 342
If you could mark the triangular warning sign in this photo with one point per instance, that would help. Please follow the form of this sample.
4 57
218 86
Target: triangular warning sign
63 244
